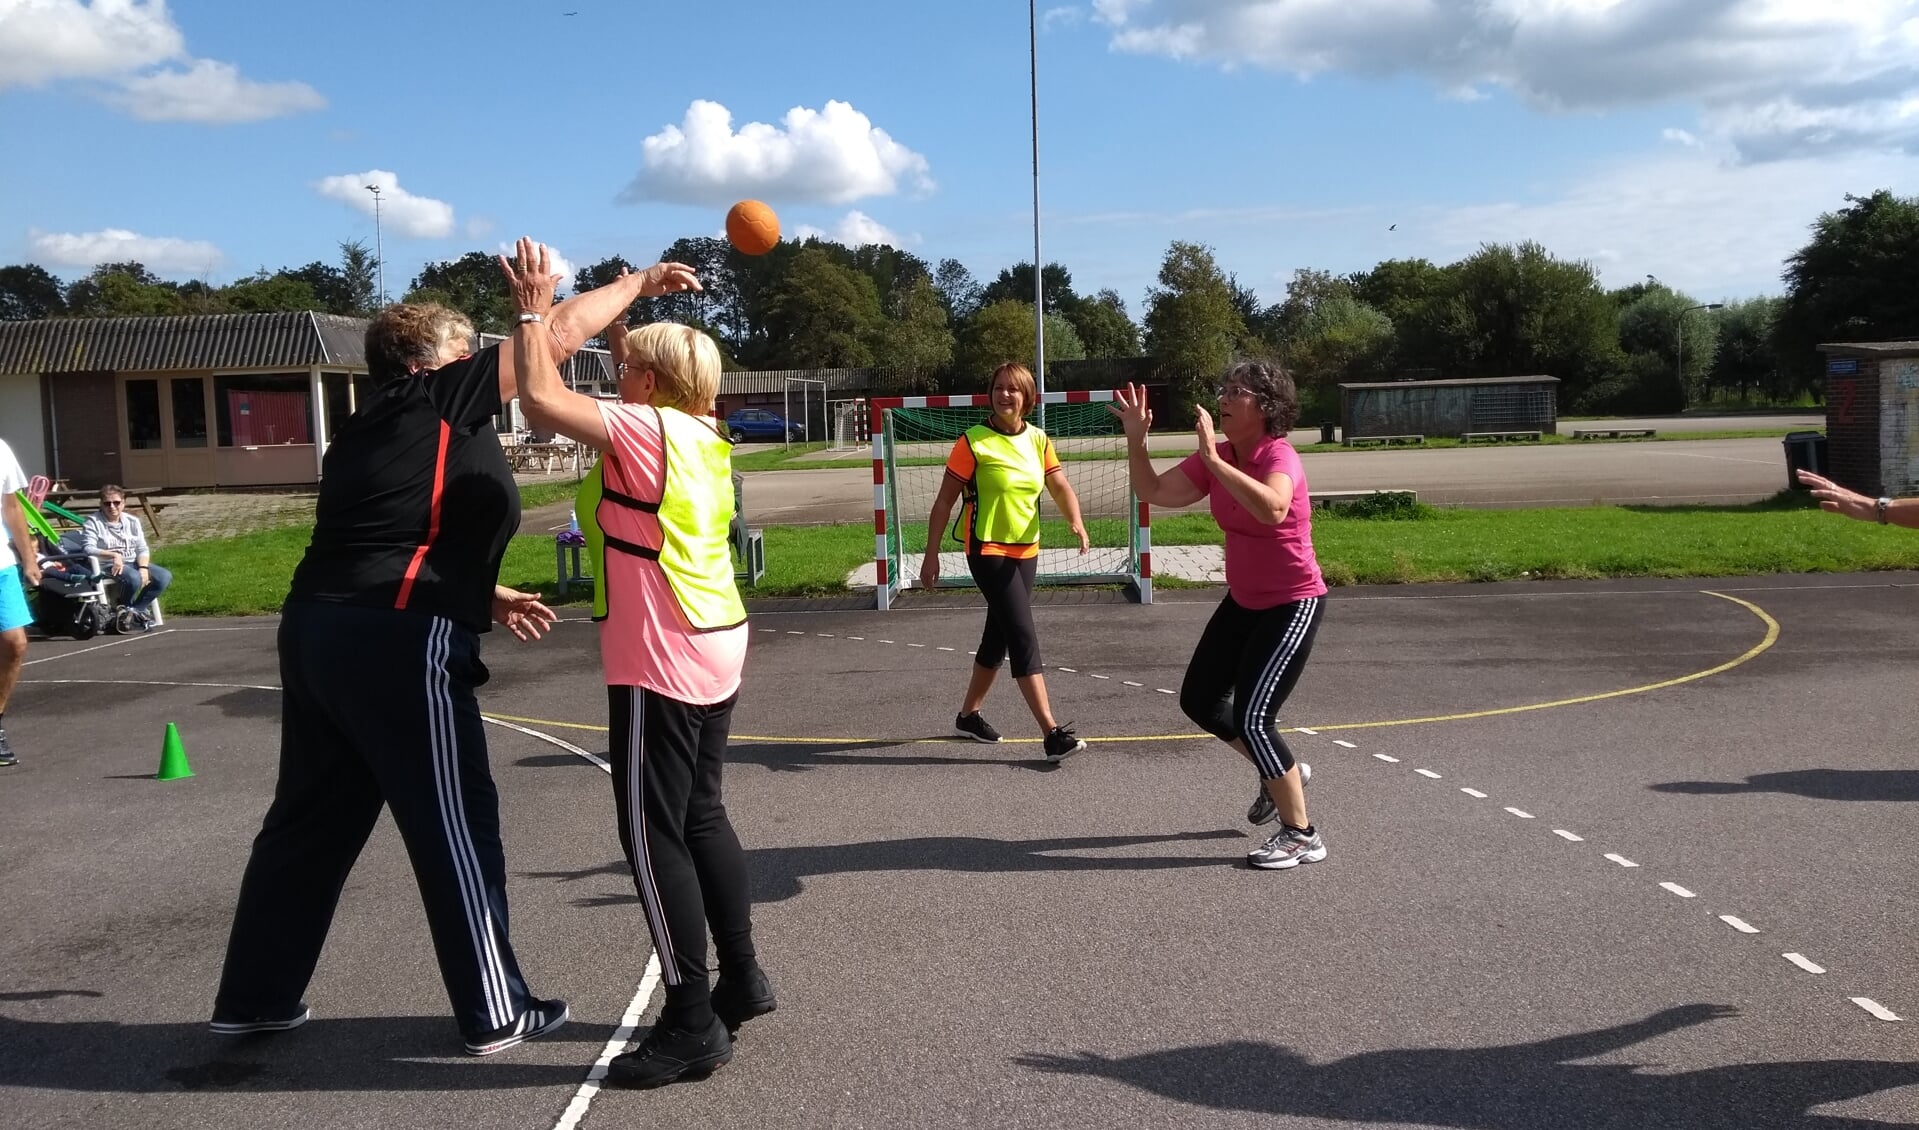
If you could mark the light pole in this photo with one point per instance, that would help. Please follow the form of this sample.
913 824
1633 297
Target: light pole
1679 347
379 246
1039 292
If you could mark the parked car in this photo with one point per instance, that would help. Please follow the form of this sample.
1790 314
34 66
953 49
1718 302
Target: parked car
761 424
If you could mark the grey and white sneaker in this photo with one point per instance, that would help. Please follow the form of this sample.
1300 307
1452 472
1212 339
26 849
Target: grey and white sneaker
1288 847
540 1018
1262 810
975 727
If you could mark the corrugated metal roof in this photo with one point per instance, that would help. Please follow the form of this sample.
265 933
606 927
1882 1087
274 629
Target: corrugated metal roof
188 341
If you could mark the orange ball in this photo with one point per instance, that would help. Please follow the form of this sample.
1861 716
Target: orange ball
752 227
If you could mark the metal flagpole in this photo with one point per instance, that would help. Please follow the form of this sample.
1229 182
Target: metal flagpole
1039 290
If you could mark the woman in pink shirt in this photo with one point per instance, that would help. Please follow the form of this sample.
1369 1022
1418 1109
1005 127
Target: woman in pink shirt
673 642
1252 651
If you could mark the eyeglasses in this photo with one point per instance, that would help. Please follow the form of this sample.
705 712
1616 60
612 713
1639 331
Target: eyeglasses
1228 392
113 502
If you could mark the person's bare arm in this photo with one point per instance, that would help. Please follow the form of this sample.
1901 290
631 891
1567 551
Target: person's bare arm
22 535
1068 503
548 403
578 318
1836 499
1172 488
949 493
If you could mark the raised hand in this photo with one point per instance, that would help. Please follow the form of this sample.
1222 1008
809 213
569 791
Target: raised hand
667 278
1836 499
1203 428
530 276
1129 404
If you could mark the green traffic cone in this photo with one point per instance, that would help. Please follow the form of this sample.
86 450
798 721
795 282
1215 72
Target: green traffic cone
173 757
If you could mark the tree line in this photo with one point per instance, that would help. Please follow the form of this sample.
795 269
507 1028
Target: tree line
1505 310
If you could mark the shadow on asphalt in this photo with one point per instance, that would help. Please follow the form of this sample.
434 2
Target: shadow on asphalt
800 756
1818 784
1514 1087
777 873
378 1053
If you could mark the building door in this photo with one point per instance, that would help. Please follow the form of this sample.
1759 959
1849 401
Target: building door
190 454
143 457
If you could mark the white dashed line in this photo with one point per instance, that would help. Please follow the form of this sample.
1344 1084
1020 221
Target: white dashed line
1799 959
862 639
1474 793
1386 759
1163 690
825 635
1093 676
1070 670
1620 860
942 649
1878 1010
1130 683
1348 745
1427 773
1520 814
886 641
775 631
1565 835
1739 924
796 633
1304 730
915 645
1675 888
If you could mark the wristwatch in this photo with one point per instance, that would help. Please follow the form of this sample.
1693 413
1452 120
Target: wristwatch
1882 504
525 318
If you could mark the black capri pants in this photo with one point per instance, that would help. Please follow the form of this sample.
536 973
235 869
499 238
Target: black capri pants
1007 584
1244 667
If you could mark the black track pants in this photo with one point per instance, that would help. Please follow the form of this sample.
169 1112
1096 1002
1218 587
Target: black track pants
378 707
1243 669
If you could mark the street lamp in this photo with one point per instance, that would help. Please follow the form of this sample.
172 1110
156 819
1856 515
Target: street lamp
1679 346
379 246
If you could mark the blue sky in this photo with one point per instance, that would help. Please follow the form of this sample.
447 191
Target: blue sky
1693 140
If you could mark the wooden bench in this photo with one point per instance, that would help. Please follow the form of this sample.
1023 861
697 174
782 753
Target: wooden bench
1499 437
1614 433
1325 500
1359 441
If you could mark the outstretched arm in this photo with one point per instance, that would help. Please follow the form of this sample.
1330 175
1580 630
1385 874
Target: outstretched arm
549 404
580 317
1838 500
1170 489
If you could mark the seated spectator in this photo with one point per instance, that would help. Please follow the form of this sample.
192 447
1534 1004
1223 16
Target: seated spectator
115 537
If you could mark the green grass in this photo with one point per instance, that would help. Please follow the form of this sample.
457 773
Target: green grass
249 574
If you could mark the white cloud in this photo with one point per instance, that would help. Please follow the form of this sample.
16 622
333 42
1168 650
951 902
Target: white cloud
1711 226
855 229
210 91
1774 77
400 212
160 254
45 40
562 266
1058 17
830 156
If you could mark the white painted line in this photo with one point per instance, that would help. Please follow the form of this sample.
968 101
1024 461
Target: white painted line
775 631
1522 815
1386 759
147 683
886 641
1348 745
796 633
1427 773
1620 860
1739 924
862 639
121 642
1474 793
1093 676
1131 683
1068 670
576 1110
972 653
1163 690
1304 730
1675 888
824 635
1799 959
550 740
942 649
915 645
1878 1010
1565 835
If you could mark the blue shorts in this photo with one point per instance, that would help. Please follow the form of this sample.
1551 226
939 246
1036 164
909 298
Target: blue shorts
13 601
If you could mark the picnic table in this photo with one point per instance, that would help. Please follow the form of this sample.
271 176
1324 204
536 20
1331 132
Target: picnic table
545 458
86 502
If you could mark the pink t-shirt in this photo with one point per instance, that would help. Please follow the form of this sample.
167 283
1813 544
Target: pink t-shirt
645 640
1266 565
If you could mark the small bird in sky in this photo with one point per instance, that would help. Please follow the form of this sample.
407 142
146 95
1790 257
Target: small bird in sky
569 13
1392 227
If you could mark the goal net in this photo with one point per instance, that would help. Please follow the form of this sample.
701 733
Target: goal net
912 436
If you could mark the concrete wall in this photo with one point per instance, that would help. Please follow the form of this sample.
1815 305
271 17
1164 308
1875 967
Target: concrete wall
22 424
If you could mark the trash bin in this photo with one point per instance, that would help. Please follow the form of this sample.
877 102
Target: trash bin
1326 432
1804 451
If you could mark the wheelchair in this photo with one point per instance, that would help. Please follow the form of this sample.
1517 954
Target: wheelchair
77 598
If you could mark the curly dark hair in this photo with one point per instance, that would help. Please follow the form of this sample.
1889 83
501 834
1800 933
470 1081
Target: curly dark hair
1273 387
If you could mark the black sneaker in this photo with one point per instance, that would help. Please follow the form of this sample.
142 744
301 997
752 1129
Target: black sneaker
975 727
1262 810
539 1019
670 1054
1062 744
228 1024
6 751
738 999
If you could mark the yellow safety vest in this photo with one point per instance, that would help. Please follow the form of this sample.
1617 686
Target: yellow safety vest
1008 474
695 509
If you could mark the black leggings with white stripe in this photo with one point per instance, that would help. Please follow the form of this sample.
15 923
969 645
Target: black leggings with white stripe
1244 667
377 707
687 863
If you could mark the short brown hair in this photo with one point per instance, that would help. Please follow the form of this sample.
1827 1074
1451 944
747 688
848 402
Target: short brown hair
1273 387
1022 380
113 488
409 335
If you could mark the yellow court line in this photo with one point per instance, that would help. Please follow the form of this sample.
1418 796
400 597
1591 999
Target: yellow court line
1771 637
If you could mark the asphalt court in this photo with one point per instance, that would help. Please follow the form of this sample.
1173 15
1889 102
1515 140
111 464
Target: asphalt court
1533 915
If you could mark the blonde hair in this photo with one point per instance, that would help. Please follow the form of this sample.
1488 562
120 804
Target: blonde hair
410 335
685 364
1022 380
